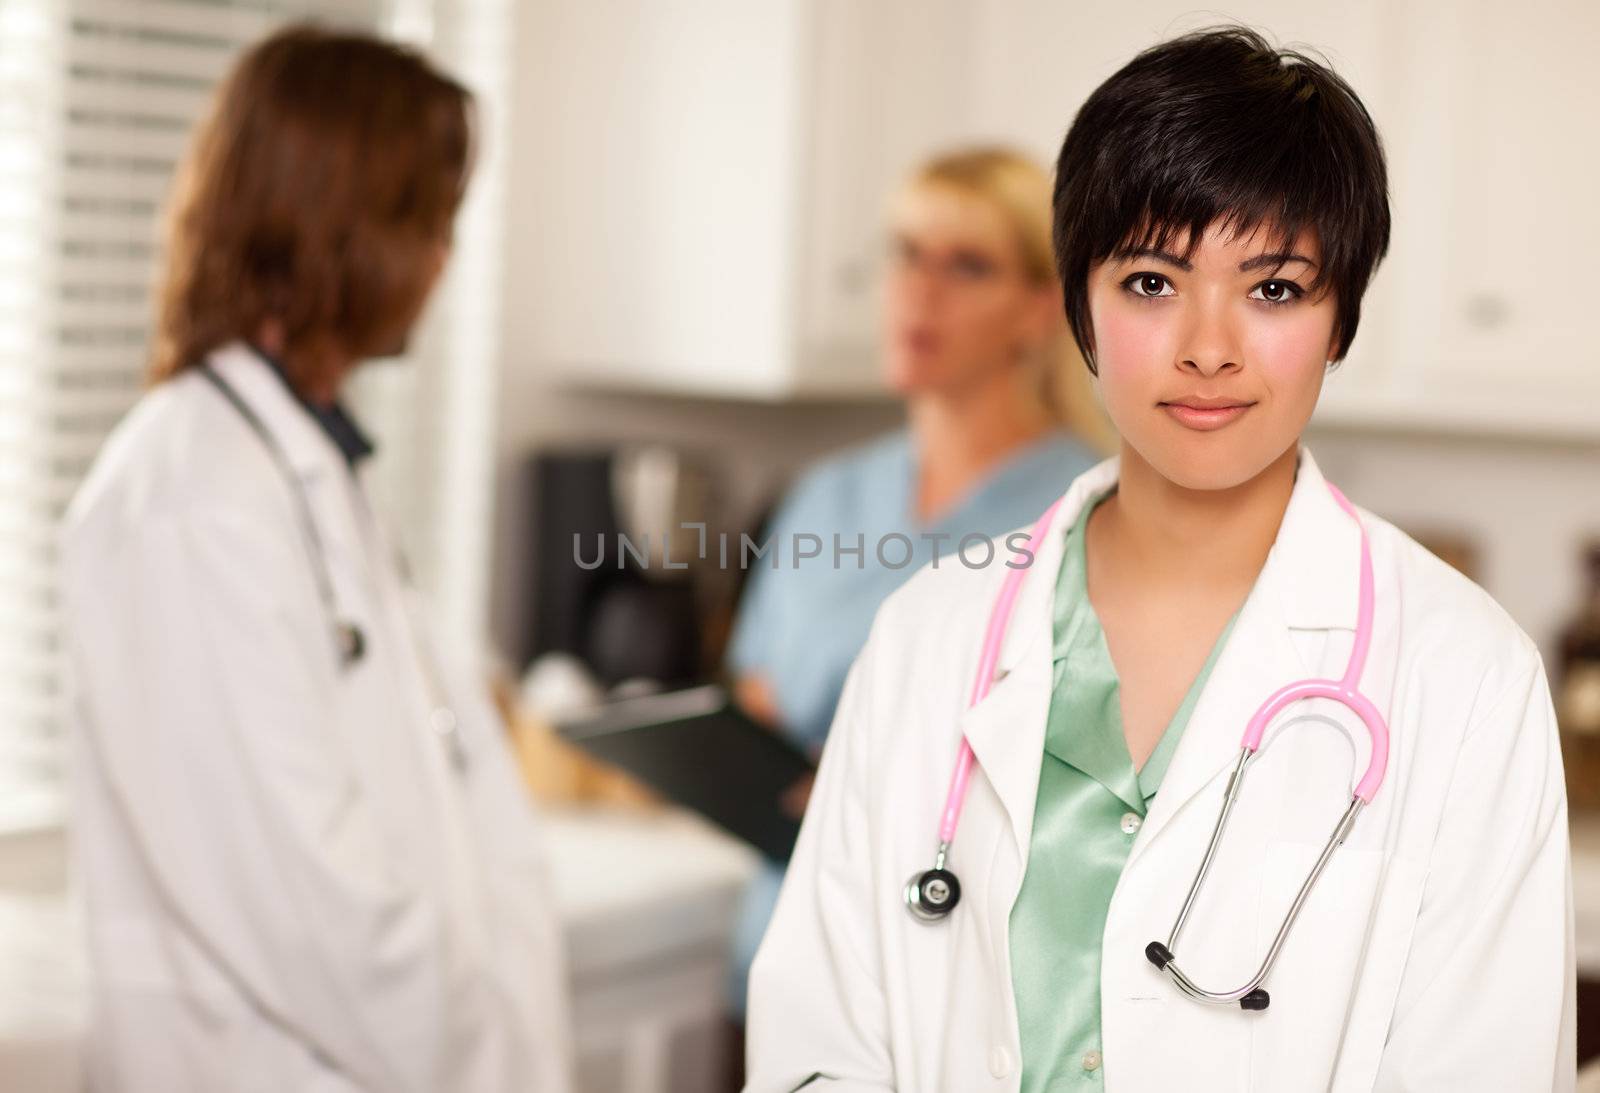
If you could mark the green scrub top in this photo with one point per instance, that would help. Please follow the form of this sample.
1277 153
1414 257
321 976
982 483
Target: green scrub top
1090 807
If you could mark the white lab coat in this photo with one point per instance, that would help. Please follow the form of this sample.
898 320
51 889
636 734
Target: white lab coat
1436 952
289 887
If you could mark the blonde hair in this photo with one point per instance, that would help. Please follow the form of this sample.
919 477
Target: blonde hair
1019 189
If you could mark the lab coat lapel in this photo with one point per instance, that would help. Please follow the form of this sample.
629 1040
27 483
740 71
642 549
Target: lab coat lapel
1309 582
1006 729
316 462
309 450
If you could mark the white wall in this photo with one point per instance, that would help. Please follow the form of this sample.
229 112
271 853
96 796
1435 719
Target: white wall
1528 506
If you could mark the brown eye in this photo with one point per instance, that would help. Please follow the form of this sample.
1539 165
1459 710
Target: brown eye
1276 292
1148 285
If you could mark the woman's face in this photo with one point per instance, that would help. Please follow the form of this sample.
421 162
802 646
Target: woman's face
435 259
1234 325
959 304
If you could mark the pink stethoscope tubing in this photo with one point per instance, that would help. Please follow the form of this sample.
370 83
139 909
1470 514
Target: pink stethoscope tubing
931 895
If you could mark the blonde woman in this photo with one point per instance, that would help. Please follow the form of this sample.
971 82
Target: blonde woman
999 418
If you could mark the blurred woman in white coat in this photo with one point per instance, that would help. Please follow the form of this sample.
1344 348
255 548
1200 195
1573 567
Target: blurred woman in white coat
1203 630
308 861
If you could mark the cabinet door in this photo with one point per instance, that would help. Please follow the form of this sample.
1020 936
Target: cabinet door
888 85
654 192
1495 207
700 186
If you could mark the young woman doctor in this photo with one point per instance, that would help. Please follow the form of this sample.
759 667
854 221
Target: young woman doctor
308 862
1220 208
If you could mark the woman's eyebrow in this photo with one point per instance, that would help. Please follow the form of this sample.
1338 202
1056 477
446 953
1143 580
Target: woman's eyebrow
1281 258
1260 261
1157 253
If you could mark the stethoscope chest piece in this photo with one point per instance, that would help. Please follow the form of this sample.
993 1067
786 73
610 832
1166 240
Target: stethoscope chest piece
932 894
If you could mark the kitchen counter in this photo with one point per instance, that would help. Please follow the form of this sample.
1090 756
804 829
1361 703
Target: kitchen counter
632 884
648 899
43 975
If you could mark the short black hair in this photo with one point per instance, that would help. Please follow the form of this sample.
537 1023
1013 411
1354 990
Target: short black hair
1221 126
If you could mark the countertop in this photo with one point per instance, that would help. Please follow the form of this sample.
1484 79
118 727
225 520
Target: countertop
634 884
633 887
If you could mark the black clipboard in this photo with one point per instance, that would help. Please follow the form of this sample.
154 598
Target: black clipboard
697 748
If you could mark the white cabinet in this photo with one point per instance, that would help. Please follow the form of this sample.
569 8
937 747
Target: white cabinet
649 901
698 185
1494 152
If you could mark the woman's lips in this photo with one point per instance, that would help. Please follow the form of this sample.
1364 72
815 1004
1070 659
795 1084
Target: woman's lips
1203 420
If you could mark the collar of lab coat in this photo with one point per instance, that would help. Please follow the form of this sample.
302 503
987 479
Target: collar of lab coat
311 452
342 429
1309 582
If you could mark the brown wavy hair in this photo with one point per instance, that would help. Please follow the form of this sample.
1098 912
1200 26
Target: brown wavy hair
317 195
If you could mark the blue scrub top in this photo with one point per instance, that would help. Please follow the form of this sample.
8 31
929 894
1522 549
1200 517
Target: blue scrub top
802 623
801 626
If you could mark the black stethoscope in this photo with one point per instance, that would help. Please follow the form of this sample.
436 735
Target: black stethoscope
349 639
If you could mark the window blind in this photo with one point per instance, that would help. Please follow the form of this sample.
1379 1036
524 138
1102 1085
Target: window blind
97 102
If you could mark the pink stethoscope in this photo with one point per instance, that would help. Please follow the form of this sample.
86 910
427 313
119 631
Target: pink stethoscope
933 893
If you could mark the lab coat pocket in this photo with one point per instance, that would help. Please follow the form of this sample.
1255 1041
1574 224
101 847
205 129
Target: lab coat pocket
1321 972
